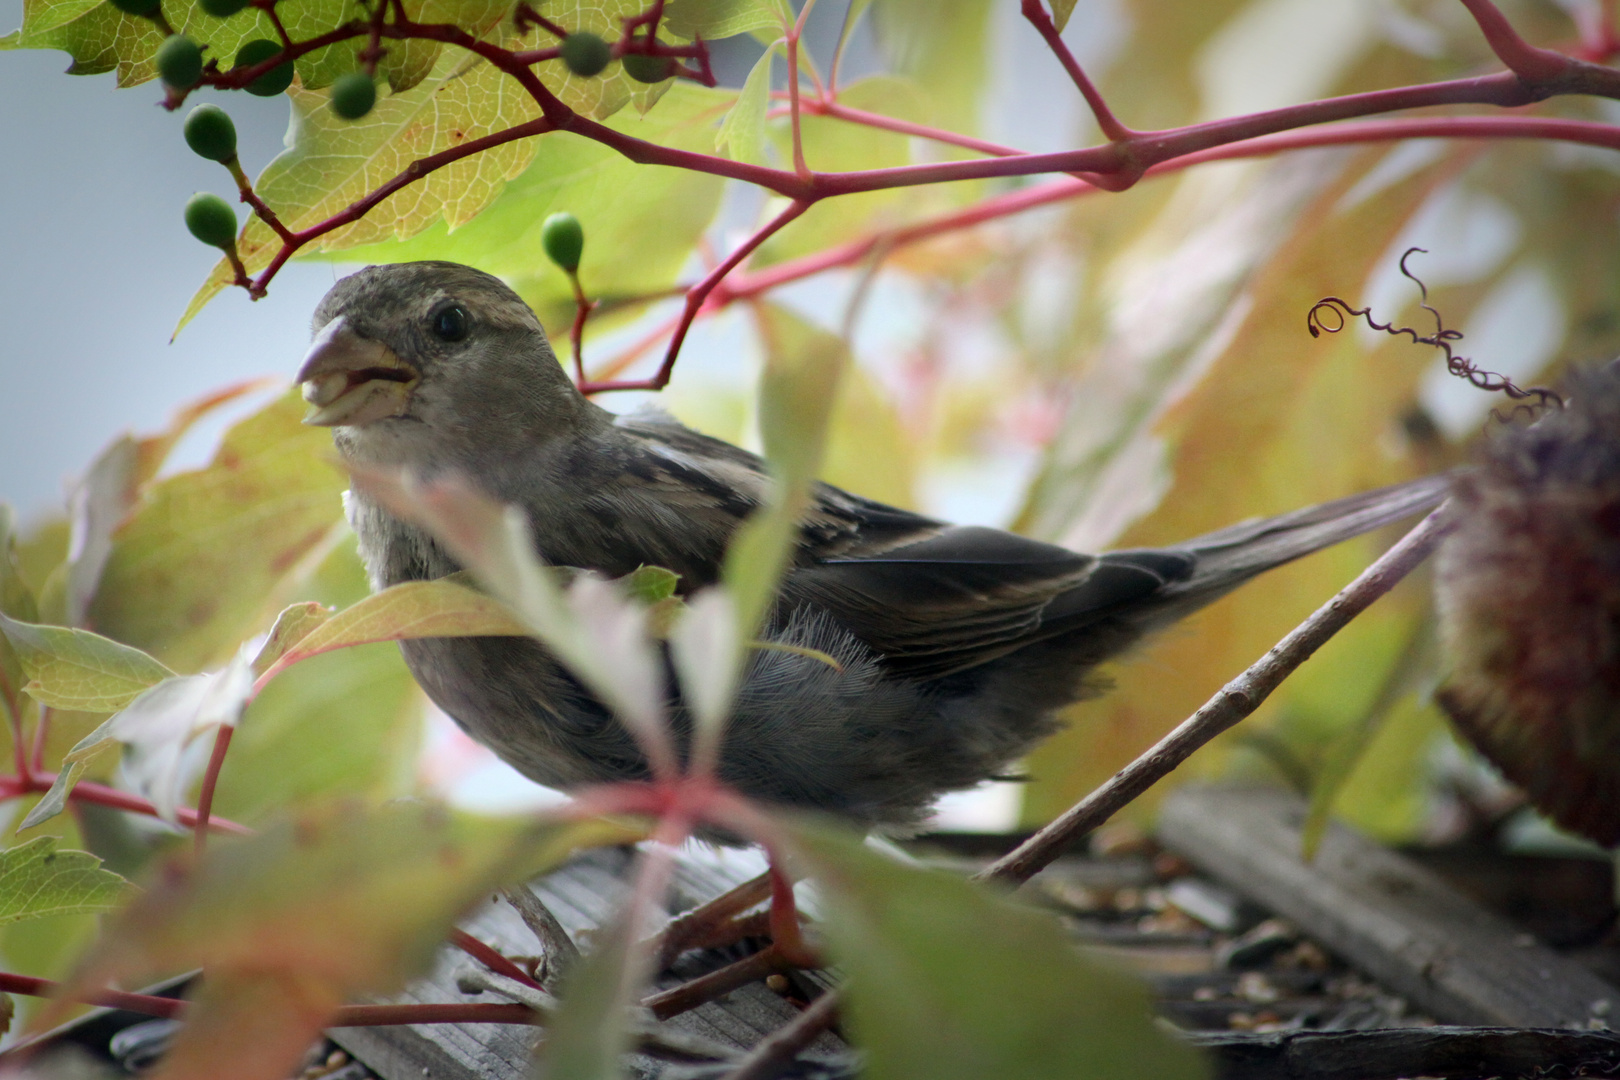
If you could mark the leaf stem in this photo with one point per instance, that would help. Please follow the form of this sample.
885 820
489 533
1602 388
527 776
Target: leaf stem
42 734
12 787
772 1054
205 796
697 297
1112 129
1530 64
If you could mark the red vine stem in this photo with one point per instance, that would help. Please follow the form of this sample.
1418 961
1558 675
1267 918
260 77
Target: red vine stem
794 32
1530 64
1534 77
205 796
19 743
489 957
12 787
696 298
347 1016
744 286
1112 129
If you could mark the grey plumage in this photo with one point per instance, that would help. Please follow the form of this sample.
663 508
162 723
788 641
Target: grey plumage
957 644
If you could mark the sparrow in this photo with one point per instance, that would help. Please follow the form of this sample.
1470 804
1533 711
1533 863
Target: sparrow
955 646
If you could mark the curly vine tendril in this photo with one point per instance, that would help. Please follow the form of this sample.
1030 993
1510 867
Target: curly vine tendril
1331 314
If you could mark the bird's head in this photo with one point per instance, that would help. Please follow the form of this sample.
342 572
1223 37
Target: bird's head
414 362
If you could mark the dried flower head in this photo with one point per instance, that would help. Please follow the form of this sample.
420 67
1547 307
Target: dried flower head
1528 590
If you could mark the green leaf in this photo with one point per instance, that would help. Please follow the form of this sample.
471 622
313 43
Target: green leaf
651 584
17 601
287 749
414 609
1061 10
79 670
207 557
36 880
619 202
742 133
716 19
1412 663
949 979
588 1034
16 598
942 48
803 365
372 754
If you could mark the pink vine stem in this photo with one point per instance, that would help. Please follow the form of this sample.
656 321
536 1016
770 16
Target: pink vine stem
1534 74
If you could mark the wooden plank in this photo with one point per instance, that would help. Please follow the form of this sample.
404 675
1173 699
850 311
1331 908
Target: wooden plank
583 895
1383 913
1463 1053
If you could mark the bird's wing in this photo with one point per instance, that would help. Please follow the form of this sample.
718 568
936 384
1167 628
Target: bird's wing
933 598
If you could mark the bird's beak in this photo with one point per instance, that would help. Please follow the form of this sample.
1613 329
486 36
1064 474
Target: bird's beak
353 380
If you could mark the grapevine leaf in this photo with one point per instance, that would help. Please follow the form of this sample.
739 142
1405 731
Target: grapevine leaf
620 203
948 979
80 670
742 134
716 19
206 556
37 881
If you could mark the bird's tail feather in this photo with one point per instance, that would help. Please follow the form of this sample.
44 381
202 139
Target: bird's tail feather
1228 557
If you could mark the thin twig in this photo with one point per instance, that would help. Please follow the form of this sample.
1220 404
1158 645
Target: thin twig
1236 700
689 995
777 1050
650 1035
691 929
558 950
489 957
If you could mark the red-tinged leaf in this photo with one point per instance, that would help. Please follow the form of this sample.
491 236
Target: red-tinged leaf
331 904
292 626
263 1025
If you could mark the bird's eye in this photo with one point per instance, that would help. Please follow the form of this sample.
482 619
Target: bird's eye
450 323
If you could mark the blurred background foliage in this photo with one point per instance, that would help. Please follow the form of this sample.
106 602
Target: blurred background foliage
1113 370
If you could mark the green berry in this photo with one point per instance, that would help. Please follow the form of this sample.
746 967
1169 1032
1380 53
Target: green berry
211 220
353 95
137 7
271 82
179 62
648 69
222 9
585 53
563 237
210 133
